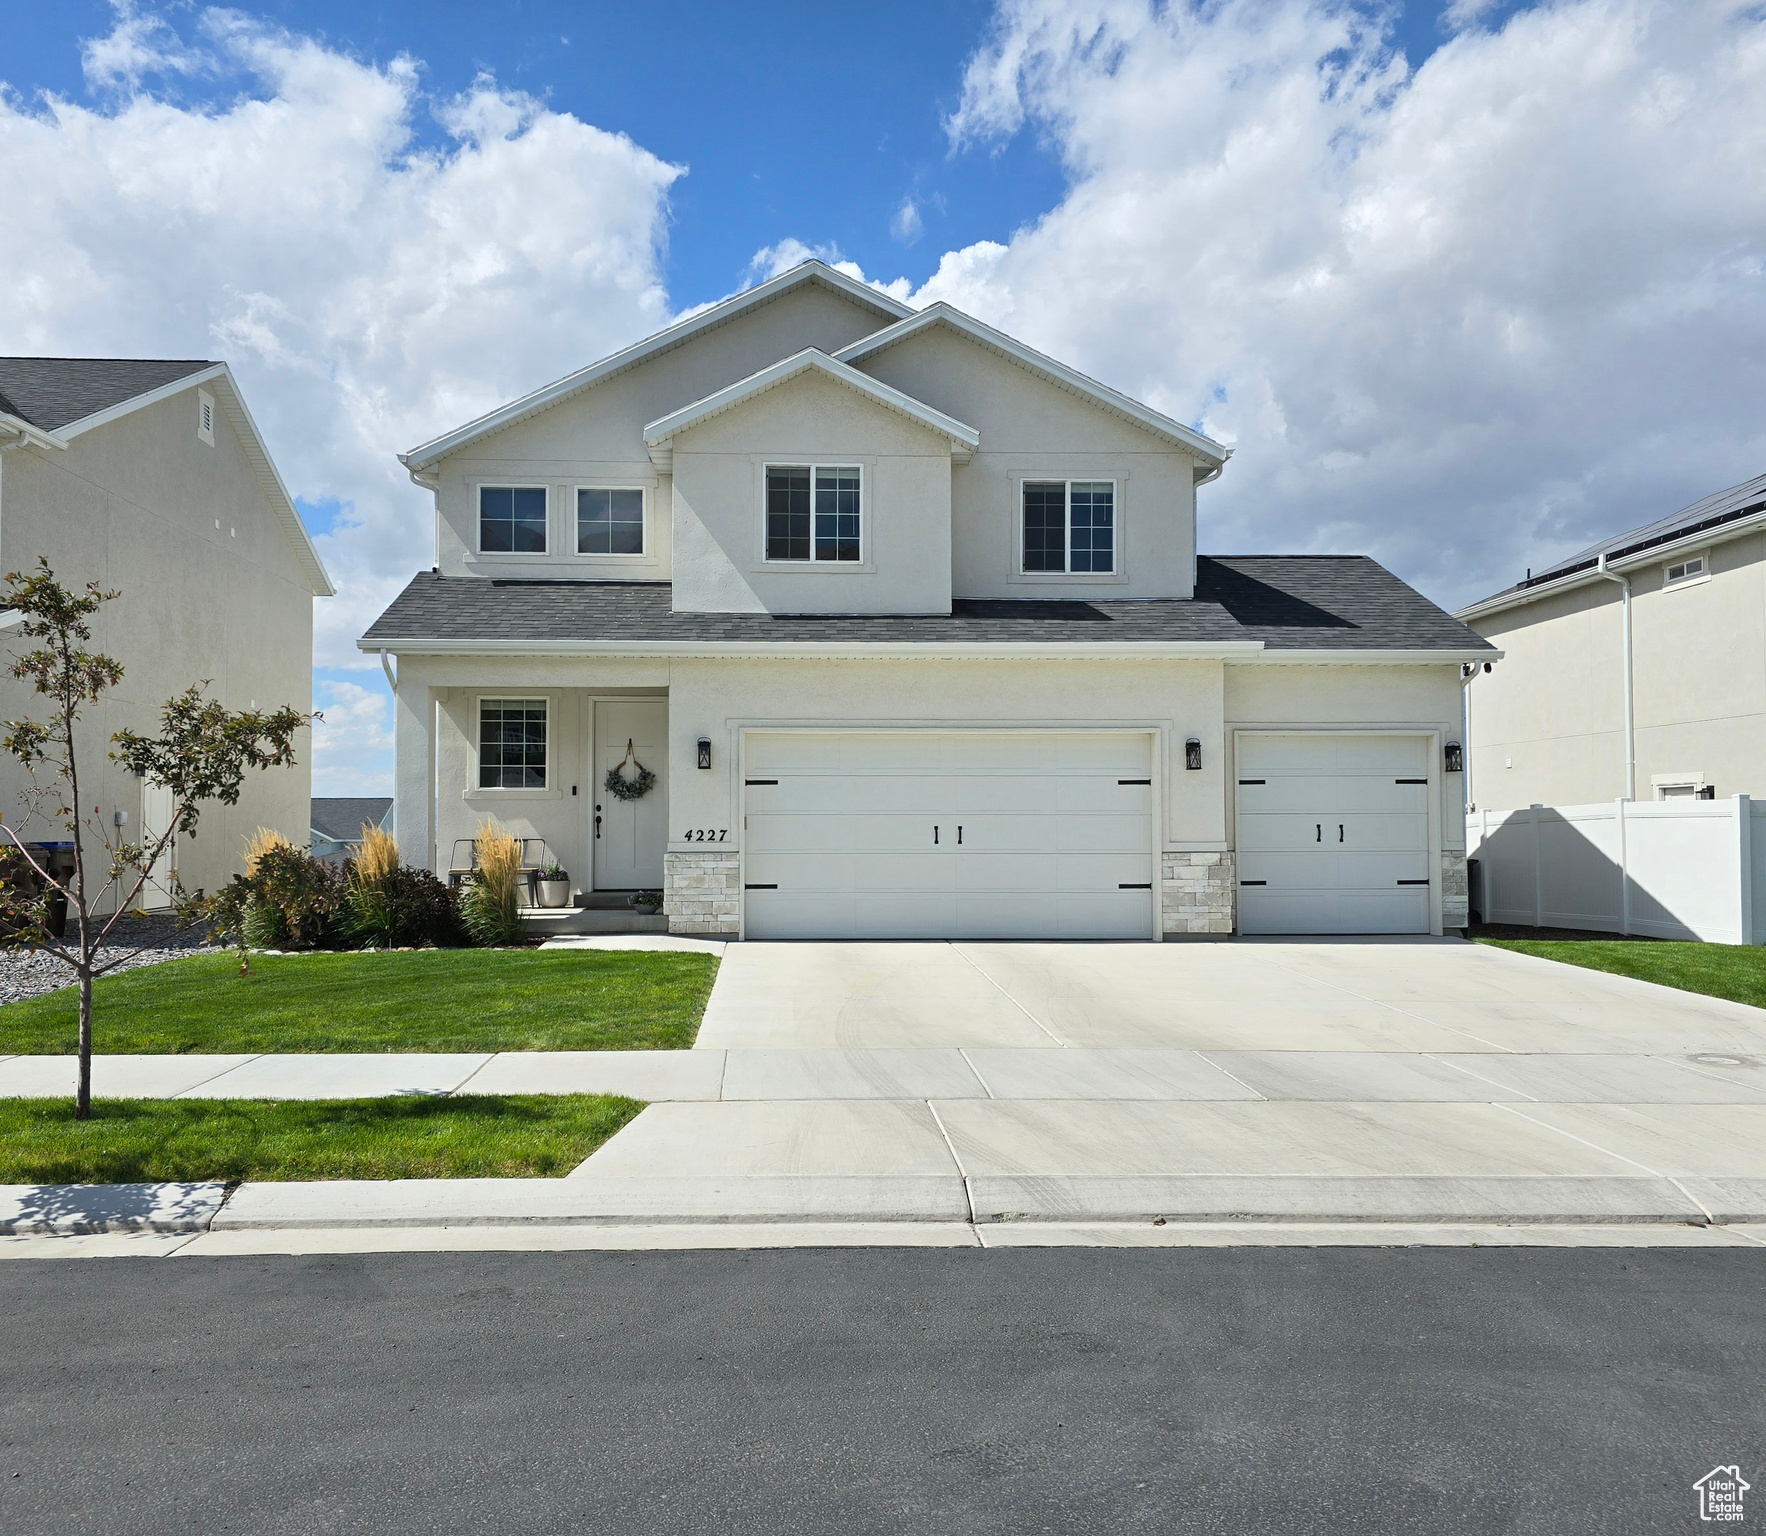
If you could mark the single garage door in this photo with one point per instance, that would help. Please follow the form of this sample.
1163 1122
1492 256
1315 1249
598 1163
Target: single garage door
1333 834
932 834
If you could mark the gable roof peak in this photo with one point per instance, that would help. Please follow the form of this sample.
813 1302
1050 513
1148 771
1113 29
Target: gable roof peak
694 323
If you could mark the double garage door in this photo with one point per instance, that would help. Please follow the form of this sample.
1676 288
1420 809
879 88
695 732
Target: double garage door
931 834
1333 834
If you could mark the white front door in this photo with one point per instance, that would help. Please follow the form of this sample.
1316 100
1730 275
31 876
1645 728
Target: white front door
157 806
1333 834
630 836
934 834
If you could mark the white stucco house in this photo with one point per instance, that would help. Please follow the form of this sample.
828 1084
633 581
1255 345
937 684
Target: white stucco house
150 477
1635 668
907 622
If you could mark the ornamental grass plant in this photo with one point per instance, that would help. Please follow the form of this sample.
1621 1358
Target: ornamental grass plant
490 903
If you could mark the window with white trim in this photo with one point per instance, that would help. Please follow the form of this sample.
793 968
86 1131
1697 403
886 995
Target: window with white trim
814 513
1069 527
512 743
1689 569
512 519
609 522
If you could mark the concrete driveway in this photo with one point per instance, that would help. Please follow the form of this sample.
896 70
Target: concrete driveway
1408 1080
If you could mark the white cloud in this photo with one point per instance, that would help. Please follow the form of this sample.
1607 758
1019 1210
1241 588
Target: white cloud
907 225
1464 320
352 740
369 291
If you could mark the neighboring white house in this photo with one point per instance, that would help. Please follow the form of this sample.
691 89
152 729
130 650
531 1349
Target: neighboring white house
907 622
339 824
1634 669
149 477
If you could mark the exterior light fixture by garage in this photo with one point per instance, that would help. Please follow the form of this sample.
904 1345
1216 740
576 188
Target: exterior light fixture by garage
1455 759
1192 753
704 751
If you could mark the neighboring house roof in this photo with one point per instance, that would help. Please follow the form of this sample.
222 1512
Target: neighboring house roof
63 398
54 392
1057 373
1305 607
680 332
659 434
340 819
1727 514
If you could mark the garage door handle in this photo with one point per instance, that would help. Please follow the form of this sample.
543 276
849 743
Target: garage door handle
935 837
1339 831
1318 832
959 837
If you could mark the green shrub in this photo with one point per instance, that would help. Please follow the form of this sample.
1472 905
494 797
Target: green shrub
287 899
400 907
489 911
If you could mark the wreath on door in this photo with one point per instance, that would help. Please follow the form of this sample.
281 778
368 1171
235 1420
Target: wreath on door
637 785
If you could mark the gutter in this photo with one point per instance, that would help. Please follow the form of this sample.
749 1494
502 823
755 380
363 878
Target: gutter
1216 650
1703 538
26 435
1625 632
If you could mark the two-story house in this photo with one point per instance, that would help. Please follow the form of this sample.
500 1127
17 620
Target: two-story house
1634 669
150 477
904 625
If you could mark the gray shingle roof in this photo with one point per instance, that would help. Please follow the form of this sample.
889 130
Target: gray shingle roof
1289 602
53 392
1712 512
341 819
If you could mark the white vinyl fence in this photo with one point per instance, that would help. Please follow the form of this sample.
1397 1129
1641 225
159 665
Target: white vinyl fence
1673 869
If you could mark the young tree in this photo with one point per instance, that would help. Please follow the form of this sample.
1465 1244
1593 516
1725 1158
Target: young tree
201 753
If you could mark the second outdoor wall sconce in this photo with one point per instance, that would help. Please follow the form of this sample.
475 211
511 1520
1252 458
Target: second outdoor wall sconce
1192 753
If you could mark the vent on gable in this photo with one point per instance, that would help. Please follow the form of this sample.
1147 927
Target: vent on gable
205 416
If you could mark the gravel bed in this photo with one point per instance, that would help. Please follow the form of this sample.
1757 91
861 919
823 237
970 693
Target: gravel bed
25 975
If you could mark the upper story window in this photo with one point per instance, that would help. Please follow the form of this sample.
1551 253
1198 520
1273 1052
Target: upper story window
511 743
512 519
610 522
1069 527
1692 568
814 512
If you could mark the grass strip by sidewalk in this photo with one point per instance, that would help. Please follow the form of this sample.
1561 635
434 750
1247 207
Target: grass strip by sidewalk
409 1137
1732 971
425 1000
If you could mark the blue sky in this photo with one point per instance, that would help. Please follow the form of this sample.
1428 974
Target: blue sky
1465 286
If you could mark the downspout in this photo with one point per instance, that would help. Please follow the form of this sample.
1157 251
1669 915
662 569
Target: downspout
1630 716
1466 674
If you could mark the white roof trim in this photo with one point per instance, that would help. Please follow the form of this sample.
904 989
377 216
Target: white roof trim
251 442
675 335
1300 656
659 434
29 435
1656 554
1146 650
1204 448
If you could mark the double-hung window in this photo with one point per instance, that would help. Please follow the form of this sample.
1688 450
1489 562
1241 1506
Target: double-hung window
511 743
512 519
1069 527
609 522
814 512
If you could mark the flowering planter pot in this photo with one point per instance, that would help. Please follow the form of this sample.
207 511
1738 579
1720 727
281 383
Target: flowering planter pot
553 893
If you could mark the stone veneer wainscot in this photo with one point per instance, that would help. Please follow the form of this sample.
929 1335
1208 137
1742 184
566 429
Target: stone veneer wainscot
702 892
1196 893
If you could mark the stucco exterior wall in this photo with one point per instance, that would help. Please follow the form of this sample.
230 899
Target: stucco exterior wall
134 505
720 510
597 437
1547 723
1031 429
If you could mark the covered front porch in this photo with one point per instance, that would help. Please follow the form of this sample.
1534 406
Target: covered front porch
532 747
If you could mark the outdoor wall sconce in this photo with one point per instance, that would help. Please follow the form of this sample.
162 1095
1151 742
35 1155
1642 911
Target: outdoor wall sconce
1455 758
1192 753
704 751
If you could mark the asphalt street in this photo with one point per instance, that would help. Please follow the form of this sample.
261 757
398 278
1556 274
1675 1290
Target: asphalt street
1072 1390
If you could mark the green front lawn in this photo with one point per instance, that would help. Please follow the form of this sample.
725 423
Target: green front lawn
423 1000
1733 971
131 1141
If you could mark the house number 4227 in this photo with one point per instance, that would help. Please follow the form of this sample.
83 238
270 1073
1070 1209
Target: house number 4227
707 834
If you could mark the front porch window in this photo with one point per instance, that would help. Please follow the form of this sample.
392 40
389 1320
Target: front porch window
512 743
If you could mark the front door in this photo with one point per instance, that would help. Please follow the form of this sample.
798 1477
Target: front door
630 836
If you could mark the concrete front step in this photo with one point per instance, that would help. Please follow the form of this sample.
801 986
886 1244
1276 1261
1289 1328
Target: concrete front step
554 922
